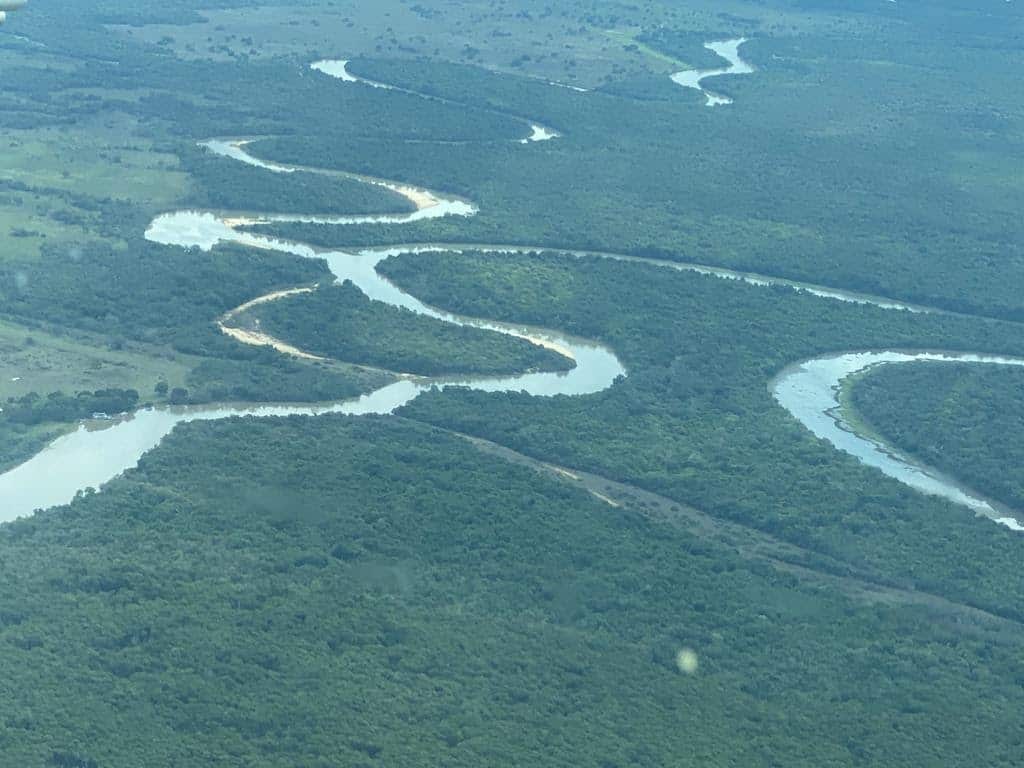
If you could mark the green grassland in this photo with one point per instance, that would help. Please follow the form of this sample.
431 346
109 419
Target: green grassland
552 43
628 37
48 362
96 158
104 157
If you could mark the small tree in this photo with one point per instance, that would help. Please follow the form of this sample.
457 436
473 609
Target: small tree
161 388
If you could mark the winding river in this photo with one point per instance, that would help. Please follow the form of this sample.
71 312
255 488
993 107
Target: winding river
338 68
694 78
811 391
96 453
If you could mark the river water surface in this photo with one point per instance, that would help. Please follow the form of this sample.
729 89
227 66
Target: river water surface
96 453
811 392
694 78
338 68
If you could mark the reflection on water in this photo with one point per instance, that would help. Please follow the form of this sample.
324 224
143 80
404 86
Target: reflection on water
91 456
539 133
728 50
811 391
88 458
338 68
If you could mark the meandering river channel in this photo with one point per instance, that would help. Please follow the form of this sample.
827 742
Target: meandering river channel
694 78
96 453
811 391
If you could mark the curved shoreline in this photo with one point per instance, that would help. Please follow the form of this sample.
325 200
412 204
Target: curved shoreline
811 392
338 69
750 278
728 50
91 456
95 456
258 338
423 200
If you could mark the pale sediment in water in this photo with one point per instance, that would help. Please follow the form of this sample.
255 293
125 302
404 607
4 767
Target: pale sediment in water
258 338
422 199
338 68
597 367
811 392
92 456
539 133
817 412
100 455
694 78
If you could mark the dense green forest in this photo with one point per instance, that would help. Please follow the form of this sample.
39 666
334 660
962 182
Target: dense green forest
226 184
377 591
703 428
148 291
870 173
371 592
962 419
268 376
340 322
827 206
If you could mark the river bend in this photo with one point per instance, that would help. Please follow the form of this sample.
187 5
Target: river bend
96 453
694 78
811 391
338 68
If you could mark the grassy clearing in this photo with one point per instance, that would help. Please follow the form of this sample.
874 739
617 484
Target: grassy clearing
627 37
14 55
29 220
100 158
104 157
36 361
